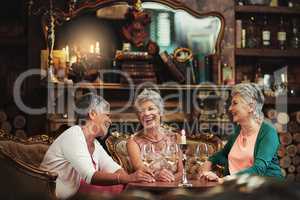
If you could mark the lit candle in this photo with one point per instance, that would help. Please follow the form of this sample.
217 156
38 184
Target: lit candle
92 49
183 137
282 78
67 54
97 48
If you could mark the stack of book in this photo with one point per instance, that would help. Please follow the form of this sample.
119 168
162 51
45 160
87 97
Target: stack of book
136 66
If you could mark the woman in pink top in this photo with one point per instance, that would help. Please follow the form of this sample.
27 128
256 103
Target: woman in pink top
252 148
149 106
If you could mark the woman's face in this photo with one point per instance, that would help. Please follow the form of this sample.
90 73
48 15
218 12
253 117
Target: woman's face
240 109
149 114
102 122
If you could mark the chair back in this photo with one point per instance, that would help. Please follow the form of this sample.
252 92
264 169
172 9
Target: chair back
214 144
20 175
116 144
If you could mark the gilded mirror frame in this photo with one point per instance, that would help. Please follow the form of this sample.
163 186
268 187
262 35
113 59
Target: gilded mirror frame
174 4
88 6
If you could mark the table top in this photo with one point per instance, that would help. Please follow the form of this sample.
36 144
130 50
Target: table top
197 185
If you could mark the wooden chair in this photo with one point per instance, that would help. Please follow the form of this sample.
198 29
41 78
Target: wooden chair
21 177
214 144
116 145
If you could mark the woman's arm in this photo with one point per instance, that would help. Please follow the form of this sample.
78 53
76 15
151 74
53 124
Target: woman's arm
120 177
134 153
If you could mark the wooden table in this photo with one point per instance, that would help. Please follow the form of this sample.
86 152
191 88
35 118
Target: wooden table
159 187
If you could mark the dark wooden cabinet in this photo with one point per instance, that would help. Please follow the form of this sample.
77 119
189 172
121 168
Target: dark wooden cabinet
272 59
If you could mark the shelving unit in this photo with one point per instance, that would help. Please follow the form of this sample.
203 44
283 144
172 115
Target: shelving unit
276 63
267 10
289 53
269 59
120 86
290 100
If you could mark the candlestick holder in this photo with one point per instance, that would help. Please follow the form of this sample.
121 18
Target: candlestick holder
184 181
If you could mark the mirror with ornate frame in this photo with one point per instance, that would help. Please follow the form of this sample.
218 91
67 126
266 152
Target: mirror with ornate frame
159 34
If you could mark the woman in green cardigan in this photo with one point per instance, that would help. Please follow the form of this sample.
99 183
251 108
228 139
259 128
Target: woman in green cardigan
252 148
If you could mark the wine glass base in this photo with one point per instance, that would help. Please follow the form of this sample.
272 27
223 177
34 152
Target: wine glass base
185 185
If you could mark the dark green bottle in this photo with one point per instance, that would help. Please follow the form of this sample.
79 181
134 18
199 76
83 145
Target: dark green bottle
295 37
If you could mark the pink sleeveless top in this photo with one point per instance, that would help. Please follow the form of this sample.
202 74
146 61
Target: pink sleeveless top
241 155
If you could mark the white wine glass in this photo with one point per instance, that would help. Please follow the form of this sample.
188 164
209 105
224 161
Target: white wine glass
201 153
171 153
147 154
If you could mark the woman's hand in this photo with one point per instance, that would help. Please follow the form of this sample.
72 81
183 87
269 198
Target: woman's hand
165 176
142 175
209 175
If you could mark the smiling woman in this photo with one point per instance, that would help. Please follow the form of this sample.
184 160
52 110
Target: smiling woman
150 148
252 149
79 159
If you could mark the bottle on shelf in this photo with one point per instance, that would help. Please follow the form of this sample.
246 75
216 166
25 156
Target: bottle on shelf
245 79
281 35
274 3
266 34
243 38
251 34
259 78
238 33
295 37
240 2
227 74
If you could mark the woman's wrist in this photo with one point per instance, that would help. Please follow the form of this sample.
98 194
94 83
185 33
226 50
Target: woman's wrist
125 178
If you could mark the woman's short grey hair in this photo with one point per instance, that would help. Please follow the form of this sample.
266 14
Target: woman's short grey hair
253 95
149 95
89 102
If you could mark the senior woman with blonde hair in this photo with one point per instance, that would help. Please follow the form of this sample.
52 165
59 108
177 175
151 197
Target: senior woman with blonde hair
252 148
149 107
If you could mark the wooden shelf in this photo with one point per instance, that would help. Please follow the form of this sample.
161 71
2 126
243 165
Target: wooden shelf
282 100
267 10
295 53
118 86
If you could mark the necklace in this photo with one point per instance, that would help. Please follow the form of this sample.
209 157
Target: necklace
153 140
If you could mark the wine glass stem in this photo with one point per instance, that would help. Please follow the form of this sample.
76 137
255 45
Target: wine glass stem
184 178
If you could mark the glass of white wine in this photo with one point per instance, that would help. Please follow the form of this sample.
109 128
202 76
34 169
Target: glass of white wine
201 153
147 154
171 156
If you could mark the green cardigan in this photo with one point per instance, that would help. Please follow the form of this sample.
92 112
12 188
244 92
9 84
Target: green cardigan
266 161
